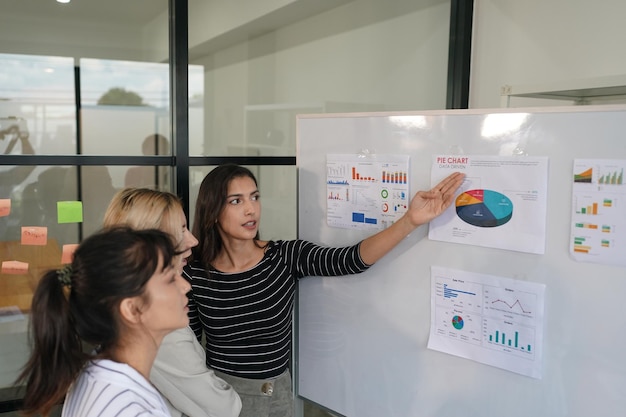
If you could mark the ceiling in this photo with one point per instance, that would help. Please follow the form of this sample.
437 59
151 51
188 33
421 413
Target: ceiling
120 11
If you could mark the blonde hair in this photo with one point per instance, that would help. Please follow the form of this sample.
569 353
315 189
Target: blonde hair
145 208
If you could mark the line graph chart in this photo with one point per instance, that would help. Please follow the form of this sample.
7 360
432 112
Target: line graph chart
511 306
503 302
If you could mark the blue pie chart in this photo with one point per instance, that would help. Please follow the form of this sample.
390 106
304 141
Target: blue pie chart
484 208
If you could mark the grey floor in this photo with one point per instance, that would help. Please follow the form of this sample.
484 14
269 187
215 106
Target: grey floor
310 410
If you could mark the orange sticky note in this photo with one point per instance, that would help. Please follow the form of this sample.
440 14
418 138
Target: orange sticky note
68 253
34 235
5 207
14 267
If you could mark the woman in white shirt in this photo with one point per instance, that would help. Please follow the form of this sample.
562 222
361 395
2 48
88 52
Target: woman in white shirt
122 293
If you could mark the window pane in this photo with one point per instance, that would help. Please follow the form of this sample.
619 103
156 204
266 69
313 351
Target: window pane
122 104
37 105
324 57
122 45
126 103
34 201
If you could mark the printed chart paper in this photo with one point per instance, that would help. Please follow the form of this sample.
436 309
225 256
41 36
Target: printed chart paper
492 320
501 204
598 230
366 192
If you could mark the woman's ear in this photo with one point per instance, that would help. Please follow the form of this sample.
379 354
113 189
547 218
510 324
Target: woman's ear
130 310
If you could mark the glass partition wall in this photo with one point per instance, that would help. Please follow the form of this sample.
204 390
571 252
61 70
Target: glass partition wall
86 109
84 112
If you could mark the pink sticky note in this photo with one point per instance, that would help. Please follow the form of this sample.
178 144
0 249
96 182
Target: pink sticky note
14 267
5 207
68 253
34 235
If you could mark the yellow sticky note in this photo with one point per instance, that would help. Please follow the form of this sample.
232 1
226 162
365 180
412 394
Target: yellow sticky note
69 211
34 235
68 253
14 267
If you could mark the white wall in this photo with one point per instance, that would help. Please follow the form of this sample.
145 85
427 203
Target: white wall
537 42
363 55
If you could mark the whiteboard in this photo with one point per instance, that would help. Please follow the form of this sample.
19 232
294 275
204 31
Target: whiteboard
361 341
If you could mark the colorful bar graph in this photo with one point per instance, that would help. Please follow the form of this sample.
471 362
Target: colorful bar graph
587 226
579 245
590 209
500 338
613 178
361 218
394 177
453 293
358 177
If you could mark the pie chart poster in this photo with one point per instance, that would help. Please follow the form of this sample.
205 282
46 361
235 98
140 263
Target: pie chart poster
501 204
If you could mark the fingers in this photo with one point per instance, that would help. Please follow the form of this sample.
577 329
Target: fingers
450 183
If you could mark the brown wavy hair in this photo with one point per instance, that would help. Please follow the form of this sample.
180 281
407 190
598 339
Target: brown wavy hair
210 203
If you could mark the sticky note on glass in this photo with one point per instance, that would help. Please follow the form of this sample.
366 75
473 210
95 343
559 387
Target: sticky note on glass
5 207
68 253
69 211
34 235
14 267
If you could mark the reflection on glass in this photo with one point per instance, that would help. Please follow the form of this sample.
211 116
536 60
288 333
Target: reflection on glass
154 177
124 83
38 203
96 192
38 91
44 215
122 102
125 102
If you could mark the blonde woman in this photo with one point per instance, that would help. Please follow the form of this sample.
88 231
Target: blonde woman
179 372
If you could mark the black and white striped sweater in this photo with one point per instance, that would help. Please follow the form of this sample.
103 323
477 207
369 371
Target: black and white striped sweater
247 316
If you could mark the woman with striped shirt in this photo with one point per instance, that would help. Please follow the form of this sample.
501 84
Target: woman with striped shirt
243 288
122 293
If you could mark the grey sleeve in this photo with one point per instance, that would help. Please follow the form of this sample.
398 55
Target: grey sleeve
180 374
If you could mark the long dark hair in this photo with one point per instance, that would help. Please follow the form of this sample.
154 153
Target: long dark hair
107 267
210 203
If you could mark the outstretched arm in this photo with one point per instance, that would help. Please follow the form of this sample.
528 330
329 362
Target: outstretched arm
425 206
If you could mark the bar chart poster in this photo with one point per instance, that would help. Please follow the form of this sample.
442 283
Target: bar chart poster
368 192
598 229
493 320
501 204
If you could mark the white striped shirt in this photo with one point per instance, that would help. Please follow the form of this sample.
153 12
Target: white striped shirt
111 389
246 316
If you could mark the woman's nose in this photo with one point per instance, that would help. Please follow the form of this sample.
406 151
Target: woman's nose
191 240
249 207
183 284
